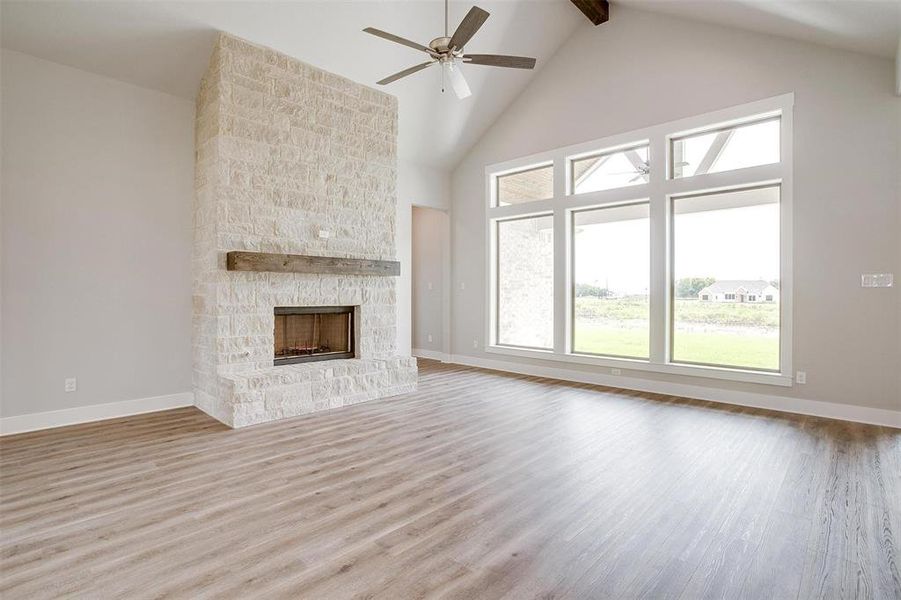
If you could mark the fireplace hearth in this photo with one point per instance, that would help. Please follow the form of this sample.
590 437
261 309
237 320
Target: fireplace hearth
312 333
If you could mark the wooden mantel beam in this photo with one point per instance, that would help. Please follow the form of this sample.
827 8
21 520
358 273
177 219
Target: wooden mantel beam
597 11
298 263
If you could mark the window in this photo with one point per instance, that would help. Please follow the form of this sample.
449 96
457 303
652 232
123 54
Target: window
725 149
536 183
667 249
525 282
611 277
737 335
608 170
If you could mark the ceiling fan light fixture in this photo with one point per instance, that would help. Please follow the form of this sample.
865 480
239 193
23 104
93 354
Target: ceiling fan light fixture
453 74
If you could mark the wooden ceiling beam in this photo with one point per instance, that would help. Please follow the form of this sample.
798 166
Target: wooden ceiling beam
597 11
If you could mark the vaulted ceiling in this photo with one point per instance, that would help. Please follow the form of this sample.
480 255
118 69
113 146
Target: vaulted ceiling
166 45
867 26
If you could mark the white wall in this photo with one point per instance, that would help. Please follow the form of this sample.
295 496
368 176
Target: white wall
641 69
898 68
431 229
97 188
417 185
96 225
423 185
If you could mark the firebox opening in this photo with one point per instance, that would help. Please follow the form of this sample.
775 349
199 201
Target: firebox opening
310 333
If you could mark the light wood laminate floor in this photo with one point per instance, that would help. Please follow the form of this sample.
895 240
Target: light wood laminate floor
479 485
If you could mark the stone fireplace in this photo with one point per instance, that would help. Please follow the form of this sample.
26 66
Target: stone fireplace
291 159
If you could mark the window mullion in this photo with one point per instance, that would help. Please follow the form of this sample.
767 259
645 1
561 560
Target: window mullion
562 275
659 286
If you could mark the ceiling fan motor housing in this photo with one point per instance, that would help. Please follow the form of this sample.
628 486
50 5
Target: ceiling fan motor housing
441 45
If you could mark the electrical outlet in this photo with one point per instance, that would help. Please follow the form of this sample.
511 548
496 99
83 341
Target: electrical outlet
801 377
430 337
430 286
616 371
462 285
475 343
876 280
71 384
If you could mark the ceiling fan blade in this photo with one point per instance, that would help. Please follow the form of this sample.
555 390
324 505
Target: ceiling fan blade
397 39
471 23
500 60
637 162
405 72
457 81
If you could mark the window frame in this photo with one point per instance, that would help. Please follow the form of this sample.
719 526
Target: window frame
571 165
571 282
736 297
751 120
497 176
496 225
658 192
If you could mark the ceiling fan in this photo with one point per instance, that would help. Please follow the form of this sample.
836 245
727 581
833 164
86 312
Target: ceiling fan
448 52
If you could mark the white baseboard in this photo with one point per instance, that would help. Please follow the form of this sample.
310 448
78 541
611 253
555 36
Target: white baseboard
829 410
94 412
432 354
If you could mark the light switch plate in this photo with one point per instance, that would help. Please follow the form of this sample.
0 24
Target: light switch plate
877 280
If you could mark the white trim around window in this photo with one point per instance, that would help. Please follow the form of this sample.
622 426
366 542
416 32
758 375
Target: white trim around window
659 191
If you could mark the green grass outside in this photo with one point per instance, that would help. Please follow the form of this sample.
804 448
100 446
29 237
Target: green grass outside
728 349
757 347
614 341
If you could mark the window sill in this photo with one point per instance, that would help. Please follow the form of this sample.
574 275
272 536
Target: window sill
738 375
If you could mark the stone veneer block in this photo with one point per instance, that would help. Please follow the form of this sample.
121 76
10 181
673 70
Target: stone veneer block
284 150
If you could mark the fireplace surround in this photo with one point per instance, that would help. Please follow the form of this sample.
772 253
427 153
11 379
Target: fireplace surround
295 206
